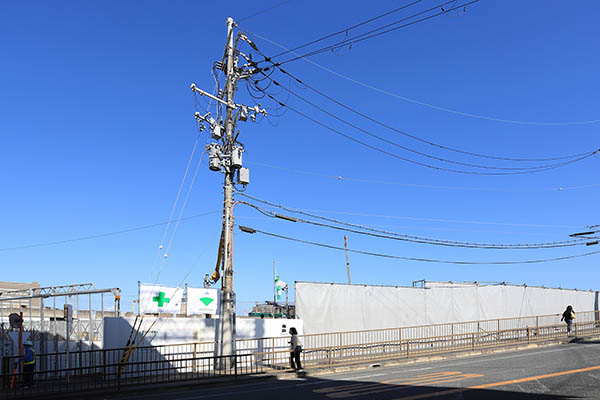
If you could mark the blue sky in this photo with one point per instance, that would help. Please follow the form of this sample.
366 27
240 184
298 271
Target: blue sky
97 127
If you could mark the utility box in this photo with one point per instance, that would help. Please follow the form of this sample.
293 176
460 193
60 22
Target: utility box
236 157
217 131
243 176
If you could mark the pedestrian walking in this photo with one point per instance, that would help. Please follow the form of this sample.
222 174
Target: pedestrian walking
568 316
28 360
295 350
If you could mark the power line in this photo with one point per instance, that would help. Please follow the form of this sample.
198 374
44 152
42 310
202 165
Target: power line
378 31
427 228
367 132
263 11
554 166
139 228
382 234
429 105
418 259
404 133
305 212
417 185
349 28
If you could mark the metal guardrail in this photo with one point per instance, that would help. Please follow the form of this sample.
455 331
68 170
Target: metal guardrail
323 340
103 369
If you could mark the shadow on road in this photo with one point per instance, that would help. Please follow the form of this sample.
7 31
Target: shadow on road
438 385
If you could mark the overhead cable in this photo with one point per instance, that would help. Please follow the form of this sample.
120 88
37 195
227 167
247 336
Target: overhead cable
348 29
377 32
342 178
308 213
427 260
264 10
426 155
412 136
383 234
430 166
101 235
402 132
429 105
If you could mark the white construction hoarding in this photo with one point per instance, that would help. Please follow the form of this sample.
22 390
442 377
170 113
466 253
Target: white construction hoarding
163 331
328 307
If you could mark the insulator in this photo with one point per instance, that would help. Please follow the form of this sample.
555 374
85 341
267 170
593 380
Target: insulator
244 114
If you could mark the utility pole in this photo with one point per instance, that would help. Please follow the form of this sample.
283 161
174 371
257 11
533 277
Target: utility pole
347 260
225 155
227 307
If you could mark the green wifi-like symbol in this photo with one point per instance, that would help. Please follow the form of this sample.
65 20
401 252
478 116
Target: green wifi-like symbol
206 300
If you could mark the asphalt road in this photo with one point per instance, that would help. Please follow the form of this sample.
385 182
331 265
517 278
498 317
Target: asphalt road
560 372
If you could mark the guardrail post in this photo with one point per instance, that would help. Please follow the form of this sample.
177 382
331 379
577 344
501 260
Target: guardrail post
473 341
194 366
537 325
330 357
104 364
452 333
273 352
408 348
528 335
575 326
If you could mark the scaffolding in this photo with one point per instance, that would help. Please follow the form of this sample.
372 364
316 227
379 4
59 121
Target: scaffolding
45 319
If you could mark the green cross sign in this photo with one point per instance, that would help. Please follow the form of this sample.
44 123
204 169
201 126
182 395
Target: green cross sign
161 299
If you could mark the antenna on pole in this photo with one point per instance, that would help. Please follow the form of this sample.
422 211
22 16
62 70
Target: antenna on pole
347 259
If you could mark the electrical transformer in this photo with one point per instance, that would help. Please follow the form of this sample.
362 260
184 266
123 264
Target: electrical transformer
214 156
236 157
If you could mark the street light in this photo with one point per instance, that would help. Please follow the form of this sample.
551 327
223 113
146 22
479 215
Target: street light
588 235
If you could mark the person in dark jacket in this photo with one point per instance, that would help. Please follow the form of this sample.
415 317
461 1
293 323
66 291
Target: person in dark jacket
295 350
28 360
568 316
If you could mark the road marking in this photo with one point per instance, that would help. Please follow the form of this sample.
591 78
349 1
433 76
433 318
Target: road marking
487 358
313 383
546 389
361 377
500 383
366 388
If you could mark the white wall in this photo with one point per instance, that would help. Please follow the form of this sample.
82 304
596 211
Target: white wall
187 330
326 307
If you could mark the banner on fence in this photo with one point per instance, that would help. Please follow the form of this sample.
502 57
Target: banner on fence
202 301
160 299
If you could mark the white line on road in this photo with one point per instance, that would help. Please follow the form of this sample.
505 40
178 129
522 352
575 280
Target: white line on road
351 378
546 389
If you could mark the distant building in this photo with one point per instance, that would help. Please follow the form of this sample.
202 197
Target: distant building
22 287
270 309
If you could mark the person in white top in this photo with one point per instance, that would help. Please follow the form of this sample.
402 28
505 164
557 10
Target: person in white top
295 350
